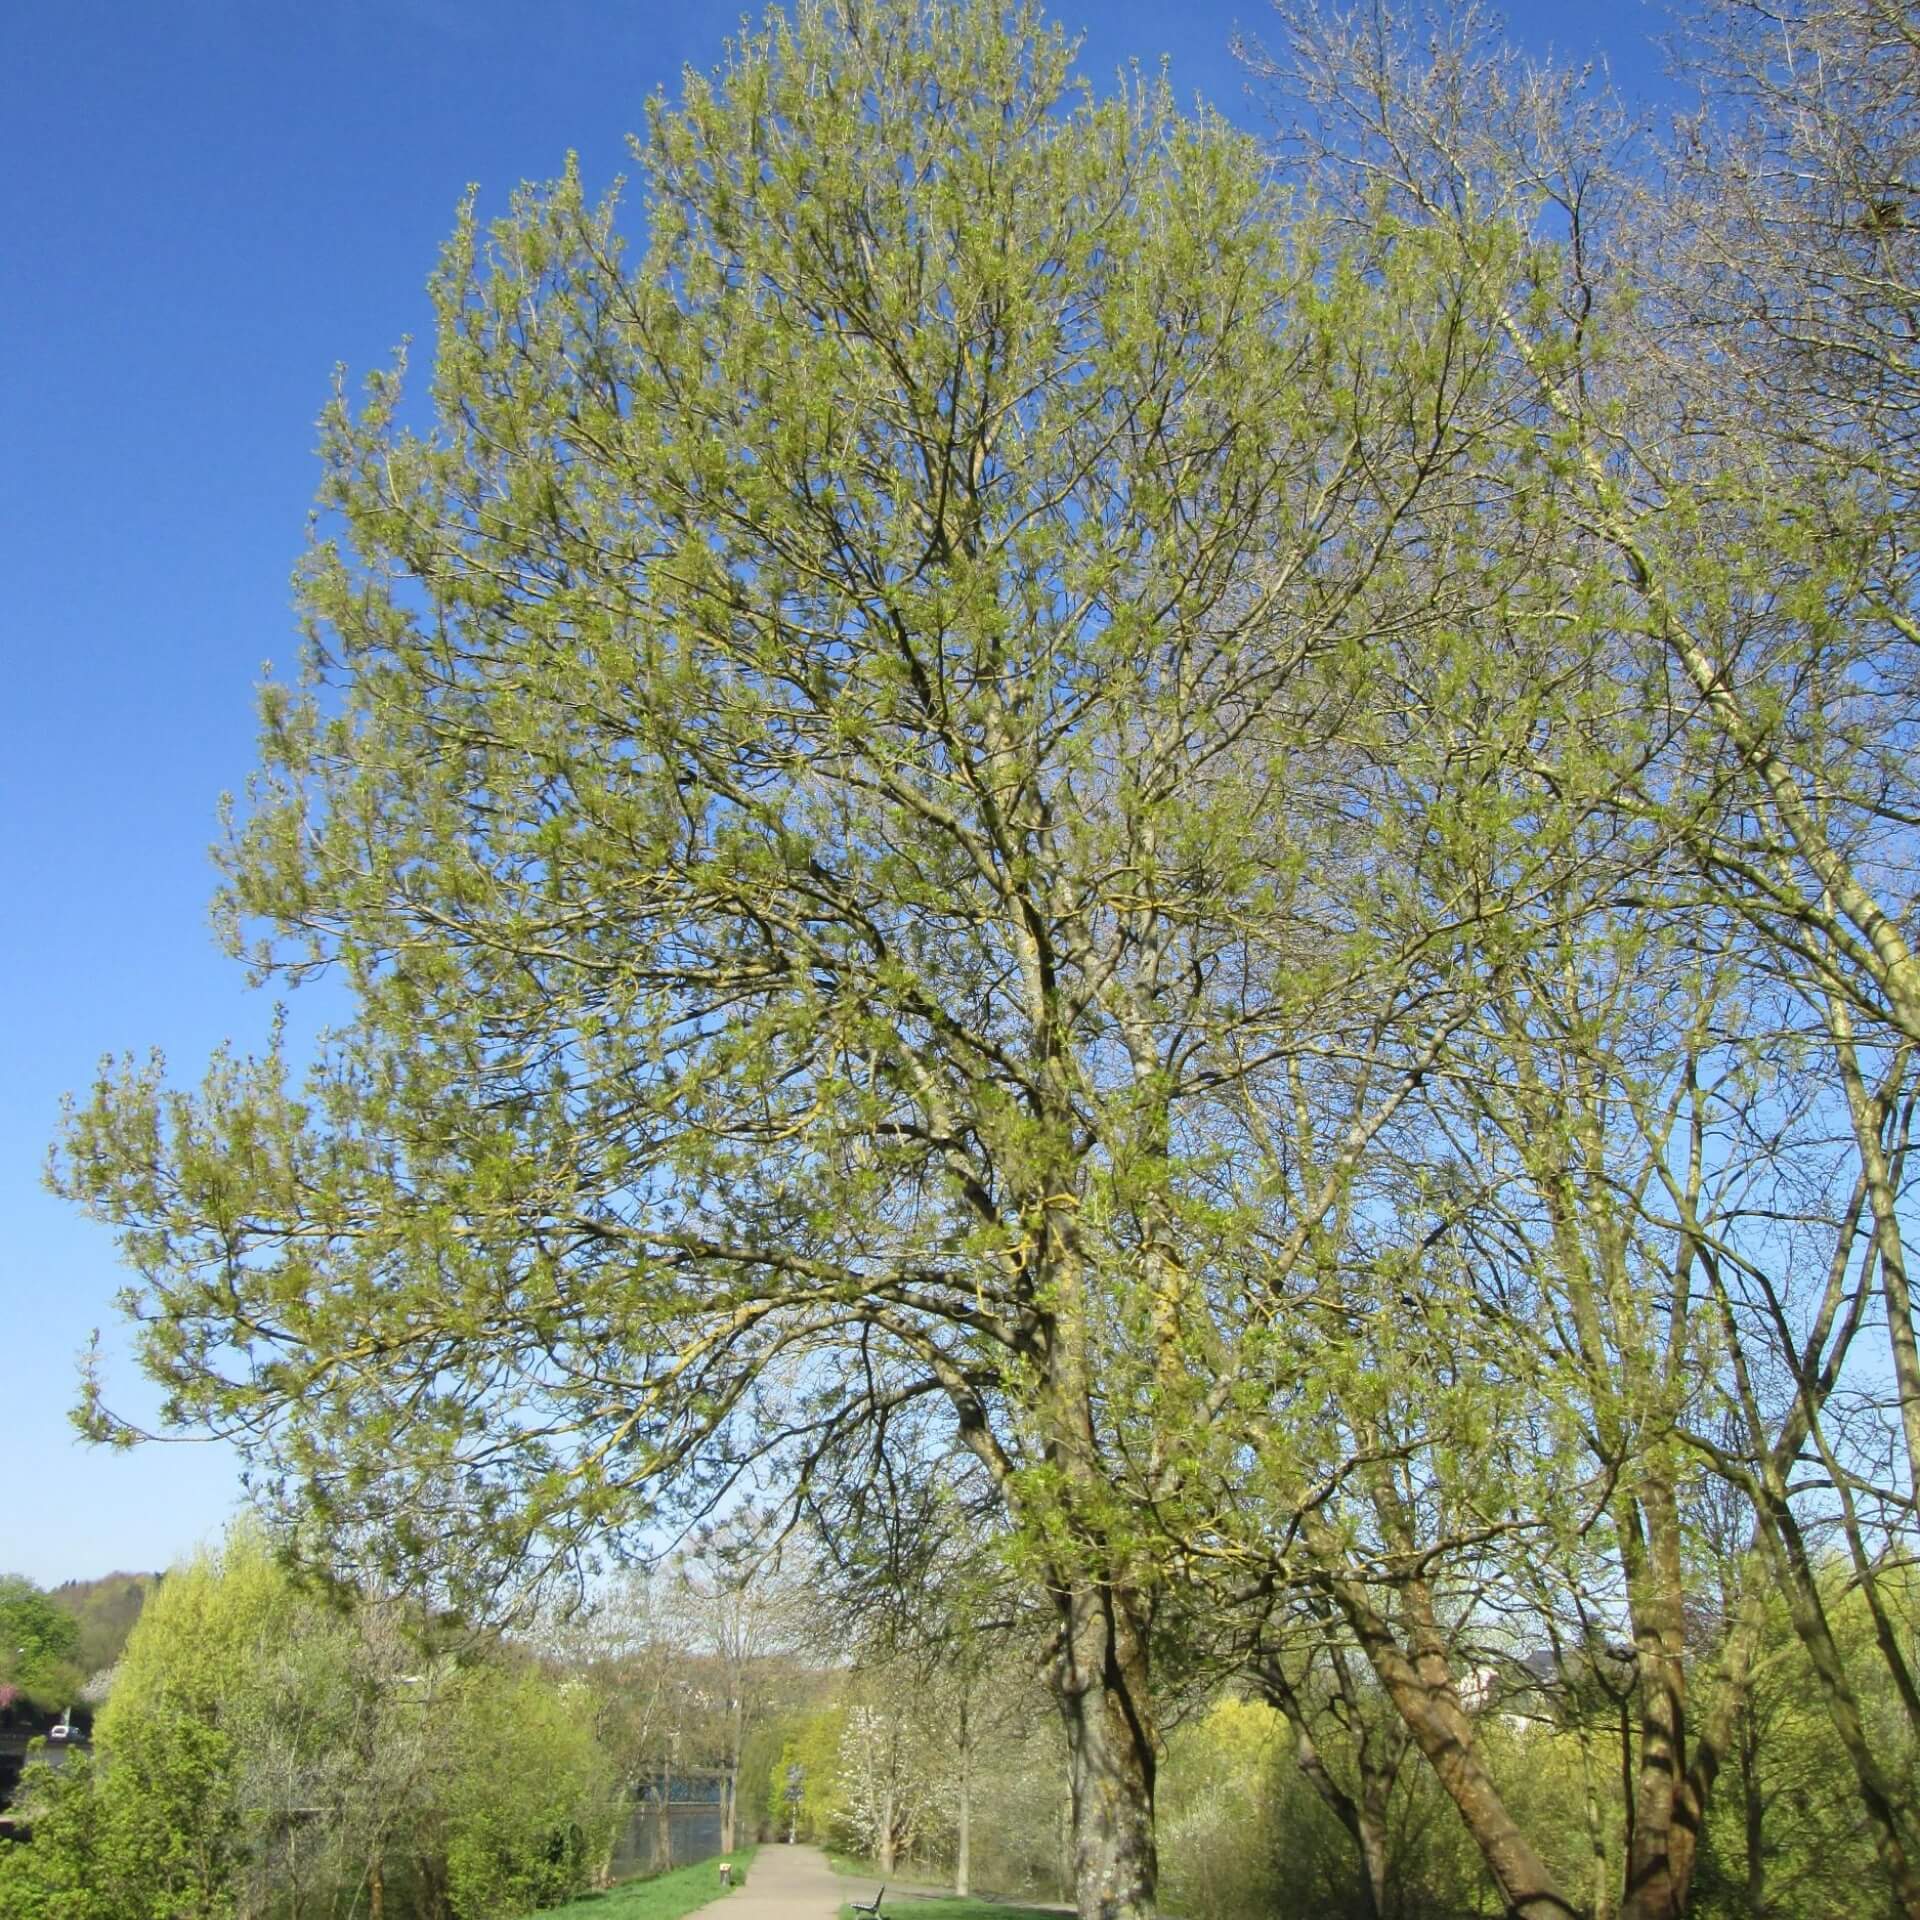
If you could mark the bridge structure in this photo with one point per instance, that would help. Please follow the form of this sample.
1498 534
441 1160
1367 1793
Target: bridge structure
675 1820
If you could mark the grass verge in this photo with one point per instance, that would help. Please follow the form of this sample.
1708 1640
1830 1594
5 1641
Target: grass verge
667 1896
923 1908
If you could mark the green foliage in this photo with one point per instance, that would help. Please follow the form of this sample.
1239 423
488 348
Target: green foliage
1216 1813
39 1645
157 1840
260 1739
66 1871
1245 1838
1783 1833
169 1735
528 1807
156 1828
1004 796
763 1777
1245 1835
813 1747
817 904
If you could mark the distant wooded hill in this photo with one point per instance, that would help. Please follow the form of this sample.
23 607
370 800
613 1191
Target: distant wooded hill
105 1610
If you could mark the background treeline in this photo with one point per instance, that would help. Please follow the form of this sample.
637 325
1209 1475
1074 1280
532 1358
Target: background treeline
1253 1818
57 1644
266 1749
1288 1782
270 1750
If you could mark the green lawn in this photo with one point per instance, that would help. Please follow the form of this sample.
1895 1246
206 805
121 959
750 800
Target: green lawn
919 1908
667 1896
907 1874
914 1905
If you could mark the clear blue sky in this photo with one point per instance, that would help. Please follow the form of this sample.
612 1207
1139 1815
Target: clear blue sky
209 204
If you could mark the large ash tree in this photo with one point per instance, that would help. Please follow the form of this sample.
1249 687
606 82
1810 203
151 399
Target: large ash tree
866 774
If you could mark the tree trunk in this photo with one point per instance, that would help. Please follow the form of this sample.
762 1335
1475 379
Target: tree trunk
730 1788
1373 1858
1422 1693
1363 1815
1888 1800
963 1839
1100 1676
433 1887
1602 1870
1756 1817
376 1890
1660 1853
1525 1883
1868 1116
883 1838
1063 1848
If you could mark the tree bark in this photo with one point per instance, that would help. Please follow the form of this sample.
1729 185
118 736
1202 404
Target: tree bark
1756 1817
730 1788
1422 1693
1660 1852
1363 1815
887 1811
1868 1115
1100 1675
963 1840
663 1839
1888 1802
1602 1874
433 1887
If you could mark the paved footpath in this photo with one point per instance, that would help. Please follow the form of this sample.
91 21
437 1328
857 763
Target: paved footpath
790 1883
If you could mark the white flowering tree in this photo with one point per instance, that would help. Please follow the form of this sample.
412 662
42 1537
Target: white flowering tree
891 1778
